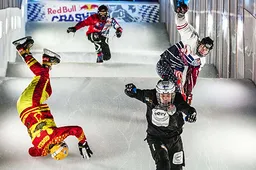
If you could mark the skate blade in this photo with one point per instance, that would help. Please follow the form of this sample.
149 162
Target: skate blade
16 42
99 62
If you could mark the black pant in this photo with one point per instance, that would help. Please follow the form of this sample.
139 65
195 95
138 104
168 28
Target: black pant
167 153
101 44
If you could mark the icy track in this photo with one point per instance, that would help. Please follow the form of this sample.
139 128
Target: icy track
223 138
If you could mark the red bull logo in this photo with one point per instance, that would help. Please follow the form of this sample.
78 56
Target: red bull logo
62 9
89 7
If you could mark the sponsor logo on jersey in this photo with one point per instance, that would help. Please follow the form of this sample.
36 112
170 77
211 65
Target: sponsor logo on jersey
160 117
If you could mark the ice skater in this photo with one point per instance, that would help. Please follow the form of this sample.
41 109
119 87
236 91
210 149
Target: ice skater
98 31
165 109
181 62
36 116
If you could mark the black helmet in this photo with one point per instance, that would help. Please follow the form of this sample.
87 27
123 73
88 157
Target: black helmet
103 8
208 42
103 12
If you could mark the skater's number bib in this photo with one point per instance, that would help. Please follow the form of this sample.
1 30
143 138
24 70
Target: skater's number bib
160 117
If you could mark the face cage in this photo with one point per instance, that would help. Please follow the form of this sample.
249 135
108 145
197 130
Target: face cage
62 146
103 15
167 104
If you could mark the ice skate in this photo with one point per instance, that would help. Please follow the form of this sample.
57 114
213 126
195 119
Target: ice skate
23 45
50 58
100 58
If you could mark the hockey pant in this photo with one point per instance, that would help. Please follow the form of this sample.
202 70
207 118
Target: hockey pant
38 90
168 153
191 79
101 44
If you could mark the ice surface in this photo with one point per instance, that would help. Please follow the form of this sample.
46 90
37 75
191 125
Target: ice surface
223 138
140 42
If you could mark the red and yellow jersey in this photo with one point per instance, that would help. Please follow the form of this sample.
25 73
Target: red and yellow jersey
43 131
54 135
37 117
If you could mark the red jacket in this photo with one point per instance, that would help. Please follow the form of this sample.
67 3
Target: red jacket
97 25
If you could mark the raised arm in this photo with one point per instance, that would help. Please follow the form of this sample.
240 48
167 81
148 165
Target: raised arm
186 30
142 95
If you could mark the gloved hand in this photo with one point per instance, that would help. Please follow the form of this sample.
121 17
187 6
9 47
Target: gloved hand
87 149
189 99
71 29
191 118
182 10
119 32
130 89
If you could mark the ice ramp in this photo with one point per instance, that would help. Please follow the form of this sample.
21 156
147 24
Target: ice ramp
20 69
140 42
135 54
222 138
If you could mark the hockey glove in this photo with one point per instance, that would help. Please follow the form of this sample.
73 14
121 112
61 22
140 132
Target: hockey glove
88 152
191 118
182 10
119 32
189 99
130 89
71 29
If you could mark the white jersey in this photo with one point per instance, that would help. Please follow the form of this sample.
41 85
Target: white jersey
110 22
189 37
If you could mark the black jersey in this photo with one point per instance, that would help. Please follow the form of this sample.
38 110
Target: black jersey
162 123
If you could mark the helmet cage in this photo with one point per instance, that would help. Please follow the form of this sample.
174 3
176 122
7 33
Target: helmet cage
63 148
165 87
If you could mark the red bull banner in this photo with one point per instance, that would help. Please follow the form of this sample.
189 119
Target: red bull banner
49 11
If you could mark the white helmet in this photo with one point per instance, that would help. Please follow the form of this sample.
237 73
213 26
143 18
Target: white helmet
164 87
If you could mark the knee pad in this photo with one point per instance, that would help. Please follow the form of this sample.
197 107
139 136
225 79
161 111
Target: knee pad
178 158
106 55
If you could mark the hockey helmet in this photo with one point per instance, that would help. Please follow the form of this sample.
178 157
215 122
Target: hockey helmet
103 12
165 92
59 151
